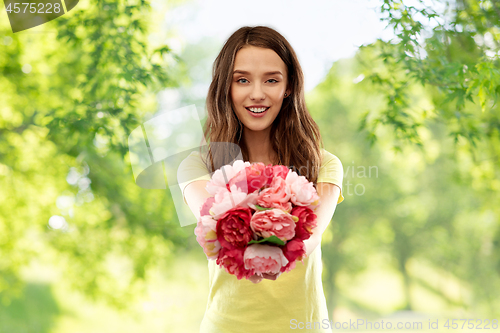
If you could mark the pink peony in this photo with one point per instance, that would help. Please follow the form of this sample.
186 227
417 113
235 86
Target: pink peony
293 250
280 171
232 261
233 228
277 195
256 175
206 236
264 259
303 192
269 174
273 222
205 208
307 221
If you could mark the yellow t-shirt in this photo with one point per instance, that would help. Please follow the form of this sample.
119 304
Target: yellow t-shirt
287 304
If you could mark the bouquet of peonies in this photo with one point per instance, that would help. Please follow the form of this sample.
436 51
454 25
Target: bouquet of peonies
257 218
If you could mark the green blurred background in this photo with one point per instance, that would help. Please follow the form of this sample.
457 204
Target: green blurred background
415 122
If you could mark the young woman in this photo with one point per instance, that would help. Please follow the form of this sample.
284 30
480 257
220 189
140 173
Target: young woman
256 100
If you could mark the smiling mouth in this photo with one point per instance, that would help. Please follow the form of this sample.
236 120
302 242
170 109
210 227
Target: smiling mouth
258 112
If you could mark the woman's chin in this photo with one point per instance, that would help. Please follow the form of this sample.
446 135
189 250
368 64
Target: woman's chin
257 128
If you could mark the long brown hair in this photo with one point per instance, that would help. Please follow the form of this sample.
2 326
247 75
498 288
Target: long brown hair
295 135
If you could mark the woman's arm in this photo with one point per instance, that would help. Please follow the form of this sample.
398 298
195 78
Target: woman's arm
329 195
196 194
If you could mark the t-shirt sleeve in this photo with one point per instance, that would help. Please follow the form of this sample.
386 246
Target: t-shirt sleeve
191 169
331 171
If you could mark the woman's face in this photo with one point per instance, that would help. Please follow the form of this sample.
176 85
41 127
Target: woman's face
260 81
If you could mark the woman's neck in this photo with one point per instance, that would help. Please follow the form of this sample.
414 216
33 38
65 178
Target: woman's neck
259 147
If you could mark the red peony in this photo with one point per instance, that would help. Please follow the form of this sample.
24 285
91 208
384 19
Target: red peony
294 249
232 260
233 228
307 221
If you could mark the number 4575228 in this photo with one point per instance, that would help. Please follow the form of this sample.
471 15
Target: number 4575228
17 7
472 323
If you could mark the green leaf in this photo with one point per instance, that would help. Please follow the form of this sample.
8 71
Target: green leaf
262 208
272 239
482 98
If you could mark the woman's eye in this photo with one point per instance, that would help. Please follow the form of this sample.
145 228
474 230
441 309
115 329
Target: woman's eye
239 80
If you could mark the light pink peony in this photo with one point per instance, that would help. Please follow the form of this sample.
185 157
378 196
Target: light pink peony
206 236
233 228
221 177
303 192
277 195
273 222
240 181
264 259
226 200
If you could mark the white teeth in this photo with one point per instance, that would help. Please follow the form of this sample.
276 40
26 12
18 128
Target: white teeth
257 110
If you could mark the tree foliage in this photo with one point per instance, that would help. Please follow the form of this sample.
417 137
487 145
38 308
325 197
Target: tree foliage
70 97
456 54
429 96
427 212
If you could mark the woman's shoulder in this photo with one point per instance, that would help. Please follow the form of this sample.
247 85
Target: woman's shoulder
192 167
193 158
327 157
331 171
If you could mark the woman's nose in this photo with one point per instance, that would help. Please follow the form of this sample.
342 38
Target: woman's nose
257 92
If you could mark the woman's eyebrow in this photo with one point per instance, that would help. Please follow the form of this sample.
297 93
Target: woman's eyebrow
248 73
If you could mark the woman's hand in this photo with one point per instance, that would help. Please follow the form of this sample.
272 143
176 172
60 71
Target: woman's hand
257 278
